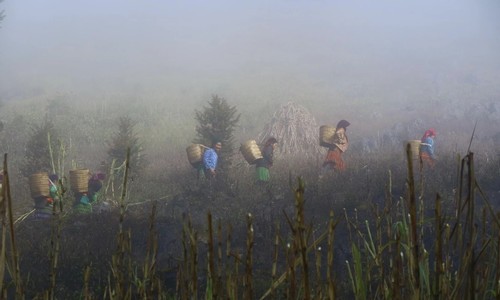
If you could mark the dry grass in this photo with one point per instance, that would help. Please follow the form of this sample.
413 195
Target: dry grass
399 236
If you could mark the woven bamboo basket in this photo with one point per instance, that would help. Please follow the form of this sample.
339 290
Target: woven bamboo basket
414 147
251 151
195 153
326 133
79 180
39 185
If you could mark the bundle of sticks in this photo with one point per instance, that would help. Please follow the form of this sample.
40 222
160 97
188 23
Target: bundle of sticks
295 129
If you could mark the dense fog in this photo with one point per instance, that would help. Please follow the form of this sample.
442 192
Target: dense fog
310 50
376 63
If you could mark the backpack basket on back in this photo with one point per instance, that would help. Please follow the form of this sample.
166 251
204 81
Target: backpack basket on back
39 185
79 180
414 147
195 153
251 151
326 133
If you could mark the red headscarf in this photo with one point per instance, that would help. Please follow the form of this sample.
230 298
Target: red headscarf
429 132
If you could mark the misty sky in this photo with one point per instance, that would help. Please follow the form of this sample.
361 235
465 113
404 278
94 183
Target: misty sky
345 47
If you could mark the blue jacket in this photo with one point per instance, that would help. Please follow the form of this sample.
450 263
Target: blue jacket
427 145
210 158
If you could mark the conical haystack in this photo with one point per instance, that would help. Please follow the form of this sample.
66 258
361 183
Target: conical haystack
295 129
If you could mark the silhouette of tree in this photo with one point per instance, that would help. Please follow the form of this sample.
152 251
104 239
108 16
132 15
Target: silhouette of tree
37 154
124 138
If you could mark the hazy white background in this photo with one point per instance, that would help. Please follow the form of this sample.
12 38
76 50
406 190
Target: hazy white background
330 55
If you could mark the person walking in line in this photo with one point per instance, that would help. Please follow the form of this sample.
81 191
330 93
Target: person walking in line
95 185
86 199
44 203
263 164
200 169
427 155
333 160
210 158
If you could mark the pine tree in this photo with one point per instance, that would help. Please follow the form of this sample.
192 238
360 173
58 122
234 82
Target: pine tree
124 138
216 122
37 155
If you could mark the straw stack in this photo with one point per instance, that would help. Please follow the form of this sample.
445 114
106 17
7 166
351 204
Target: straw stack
251 151
39 185
195 153
79 180
414 147
326 133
